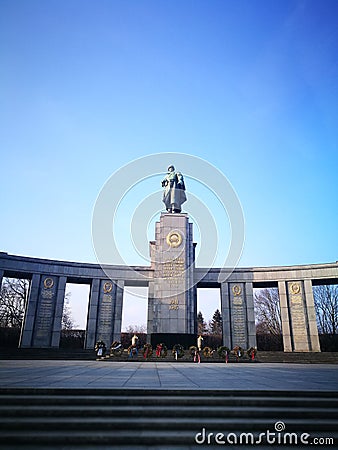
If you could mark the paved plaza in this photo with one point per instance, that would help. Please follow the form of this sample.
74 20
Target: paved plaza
166 375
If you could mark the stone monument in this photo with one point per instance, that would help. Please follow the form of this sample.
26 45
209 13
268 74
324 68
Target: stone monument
172 280
172 294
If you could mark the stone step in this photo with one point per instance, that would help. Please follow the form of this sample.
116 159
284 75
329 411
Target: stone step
184 420
110 413
65 419
237 401
135 439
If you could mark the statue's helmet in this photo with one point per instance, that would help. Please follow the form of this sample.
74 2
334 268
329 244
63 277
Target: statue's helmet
171 167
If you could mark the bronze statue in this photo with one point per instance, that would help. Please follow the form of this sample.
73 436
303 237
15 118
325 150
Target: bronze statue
174 190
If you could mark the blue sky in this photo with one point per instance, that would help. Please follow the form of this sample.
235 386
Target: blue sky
250 86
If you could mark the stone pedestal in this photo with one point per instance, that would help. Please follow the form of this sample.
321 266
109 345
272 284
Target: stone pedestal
43 315
238 315
172 295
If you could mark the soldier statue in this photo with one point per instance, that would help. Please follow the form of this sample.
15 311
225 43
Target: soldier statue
174 191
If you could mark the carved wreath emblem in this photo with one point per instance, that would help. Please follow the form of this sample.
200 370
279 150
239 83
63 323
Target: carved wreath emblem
48 283
295 288
237 290
107 287
174 239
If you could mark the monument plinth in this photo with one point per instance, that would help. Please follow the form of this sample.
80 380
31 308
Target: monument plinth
172 306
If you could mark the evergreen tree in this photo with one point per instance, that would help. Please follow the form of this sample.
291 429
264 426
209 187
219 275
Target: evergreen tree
201 325
216 325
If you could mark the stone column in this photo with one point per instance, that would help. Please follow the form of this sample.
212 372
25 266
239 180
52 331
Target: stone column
57 323
252 340
238 315
26 336
298 316
107 304
46 305
225 308
151 323
283 301
1 276
105 314
92 314
311 315
117 324
174 299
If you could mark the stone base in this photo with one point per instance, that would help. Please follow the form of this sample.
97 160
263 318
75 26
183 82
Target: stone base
170 339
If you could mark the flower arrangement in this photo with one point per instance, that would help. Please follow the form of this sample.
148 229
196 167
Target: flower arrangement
207 352
178 351
116 349
223 351
238 352
252 352
192 350
161 350
147 350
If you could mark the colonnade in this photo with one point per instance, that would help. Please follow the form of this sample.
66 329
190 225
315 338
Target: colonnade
48 278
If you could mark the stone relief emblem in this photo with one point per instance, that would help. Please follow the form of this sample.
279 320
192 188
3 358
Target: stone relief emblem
107 287
295 288
174 239
237 290
48 283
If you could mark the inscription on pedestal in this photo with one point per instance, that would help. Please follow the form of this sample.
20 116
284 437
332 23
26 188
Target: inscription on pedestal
105 319
44 320
238 317
298 319
172 257
173 271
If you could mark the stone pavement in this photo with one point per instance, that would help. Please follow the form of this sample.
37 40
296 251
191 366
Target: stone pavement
171 375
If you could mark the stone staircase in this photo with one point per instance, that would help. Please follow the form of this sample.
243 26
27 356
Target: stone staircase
298 358
47 353
89 419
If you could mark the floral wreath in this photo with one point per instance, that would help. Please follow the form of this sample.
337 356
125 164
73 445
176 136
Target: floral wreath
178 348
238 351
207 352
164 350
192 350
116 348
251 350
147 350
223 351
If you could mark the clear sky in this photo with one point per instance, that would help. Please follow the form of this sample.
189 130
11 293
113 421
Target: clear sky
250 86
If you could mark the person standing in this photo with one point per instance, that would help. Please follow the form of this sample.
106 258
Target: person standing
199 343
133 349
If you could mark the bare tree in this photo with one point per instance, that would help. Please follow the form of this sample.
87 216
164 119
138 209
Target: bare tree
267 312
136 329
13 297
326 305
